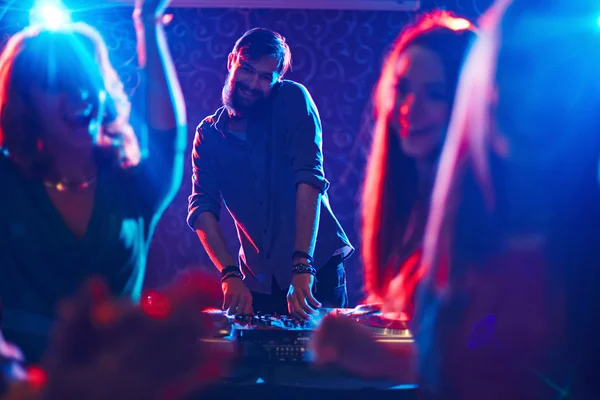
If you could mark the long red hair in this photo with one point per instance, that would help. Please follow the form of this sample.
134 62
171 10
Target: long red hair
391 179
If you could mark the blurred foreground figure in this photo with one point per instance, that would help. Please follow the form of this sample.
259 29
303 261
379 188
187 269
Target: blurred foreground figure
511 301
80 199
108 348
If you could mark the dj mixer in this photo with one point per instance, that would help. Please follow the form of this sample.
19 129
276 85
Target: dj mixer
273 338
284 339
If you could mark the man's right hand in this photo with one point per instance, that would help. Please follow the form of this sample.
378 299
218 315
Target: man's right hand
237 298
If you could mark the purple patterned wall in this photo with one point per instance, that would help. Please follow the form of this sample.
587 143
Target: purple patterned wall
336 54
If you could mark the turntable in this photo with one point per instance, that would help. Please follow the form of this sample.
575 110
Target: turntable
385 328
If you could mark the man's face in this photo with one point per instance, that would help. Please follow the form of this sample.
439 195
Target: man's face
248 82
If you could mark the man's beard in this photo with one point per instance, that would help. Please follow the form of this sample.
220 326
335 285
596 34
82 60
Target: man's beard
235 103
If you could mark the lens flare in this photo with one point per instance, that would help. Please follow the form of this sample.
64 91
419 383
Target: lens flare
49 14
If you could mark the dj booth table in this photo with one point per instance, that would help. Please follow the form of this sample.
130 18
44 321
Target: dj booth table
273 364
301 381
269 391
304 383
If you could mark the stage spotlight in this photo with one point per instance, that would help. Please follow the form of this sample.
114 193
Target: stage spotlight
51 14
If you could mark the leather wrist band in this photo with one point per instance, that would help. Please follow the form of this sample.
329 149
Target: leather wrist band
301 254
230 268
232 275
304 269
231 271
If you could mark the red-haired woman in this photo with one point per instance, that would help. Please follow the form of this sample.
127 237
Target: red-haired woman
413 100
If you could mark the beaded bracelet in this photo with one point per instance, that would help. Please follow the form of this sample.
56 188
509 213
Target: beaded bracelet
301 268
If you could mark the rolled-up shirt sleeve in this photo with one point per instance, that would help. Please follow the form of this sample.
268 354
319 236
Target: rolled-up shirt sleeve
206 195
305 138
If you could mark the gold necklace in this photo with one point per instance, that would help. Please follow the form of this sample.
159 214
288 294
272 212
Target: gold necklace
64 185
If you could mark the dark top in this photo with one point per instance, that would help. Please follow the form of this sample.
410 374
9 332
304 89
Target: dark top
42 261
256 179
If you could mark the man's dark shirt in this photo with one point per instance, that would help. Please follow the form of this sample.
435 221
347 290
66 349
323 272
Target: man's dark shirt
256 179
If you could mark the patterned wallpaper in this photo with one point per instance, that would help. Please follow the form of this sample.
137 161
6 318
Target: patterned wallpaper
336 54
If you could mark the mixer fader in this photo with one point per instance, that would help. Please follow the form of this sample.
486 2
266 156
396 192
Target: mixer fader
276 338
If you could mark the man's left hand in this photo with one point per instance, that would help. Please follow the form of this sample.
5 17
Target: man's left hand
300 299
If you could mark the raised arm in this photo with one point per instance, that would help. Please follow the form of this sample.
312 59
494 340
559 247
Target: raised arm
164 112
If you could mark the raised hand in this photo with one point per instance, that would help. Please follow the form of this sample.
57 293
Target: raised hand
152 7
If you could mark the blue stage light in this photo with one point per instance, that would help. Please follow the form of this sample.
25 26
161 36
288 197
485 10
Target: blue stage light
50 14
